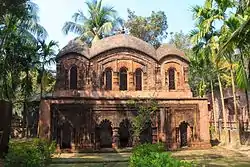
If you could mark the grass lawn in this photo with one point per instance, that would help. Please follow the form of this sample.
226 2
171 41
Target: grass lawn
214 157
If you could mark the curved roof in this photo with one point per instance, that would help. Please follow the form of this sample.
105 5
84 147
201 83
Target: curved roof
75 46
167 49
122 41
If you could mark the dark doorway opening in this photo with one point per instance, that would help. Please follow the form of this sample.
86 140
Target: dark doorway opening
125 133
105 134
66 136
146 134
183 134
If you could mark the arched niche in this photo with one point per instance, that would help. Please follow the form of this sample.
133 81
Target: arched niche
125 133
105 133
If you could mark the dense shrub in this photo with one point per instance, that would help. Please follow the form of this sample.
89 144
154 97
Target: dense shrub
29 153
146 149
154 155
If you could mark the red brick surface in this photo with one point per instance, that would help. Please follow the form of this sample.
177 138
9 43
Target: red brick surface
177 105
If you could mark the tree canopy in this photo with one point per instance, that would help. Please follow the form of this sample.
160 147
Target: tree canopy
181 41
152 29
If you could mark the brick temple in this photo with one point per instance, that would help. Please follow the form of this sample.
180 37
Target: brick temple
89 108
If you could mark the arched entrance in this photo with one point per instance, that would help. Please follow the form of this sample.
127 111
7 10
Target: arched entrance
125 133
183 134
66 135
146 134
105 134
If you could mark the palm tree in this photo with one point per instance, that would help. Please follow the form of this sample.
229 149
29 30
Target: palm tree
19 31
229 26
47 57
238 43
28 59
205 37
100 23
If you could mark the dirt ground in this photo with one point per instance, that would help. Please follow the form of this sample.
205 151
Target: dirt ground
214 157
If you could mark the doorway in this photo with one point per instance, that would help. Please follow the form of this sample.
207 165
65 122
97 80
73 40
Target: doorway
183 134
125 133
105 133
66 136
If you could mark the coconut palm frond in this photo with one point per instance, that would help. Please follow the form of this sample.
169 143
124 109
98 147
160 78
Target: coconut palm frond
97 25
241 78
72 27
239 36
79 17
105 28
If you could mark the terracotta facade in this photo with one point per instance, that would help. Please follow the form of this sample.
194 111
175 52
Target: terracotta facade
89 108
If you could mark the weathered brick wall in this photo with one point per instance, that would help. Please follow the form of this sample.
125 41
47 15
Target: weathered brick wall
131 61
90 72
191 111
63 67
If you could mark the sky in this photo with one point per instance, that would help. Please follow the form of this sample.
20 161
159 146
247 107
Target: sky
54 13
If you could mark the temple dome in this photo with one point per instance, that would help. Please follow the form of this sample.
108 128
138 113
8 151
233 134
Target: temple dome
122 41
167 50
75 46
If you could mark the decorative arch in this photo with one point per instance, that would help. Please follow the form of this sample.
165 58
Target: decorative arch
66 138
125 133
171 79
108 79
73 77
105 134
123 78
138 79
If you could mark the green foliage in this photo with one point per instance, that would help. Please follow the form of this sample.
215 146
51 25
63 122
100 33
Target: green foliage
146 149
31 153
152 29
100 22
153 155
212 129
22 54
181 41
142 119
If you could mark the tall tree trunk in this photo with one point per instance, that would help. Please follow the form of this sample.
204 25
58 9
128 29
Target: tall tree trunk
234 94
41 84
213 103
41 88
25 120
222 102
25 108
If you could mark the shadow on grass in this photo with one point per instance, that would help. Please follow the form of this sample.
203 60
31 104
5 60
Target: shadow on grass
96 158
111 164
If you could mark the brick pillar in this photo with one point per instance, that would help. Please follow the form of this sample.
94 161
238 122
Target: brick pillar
162 125
131 85
154 135
115 138
188 135
73 146
173 128
145 81
115 81
44 120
